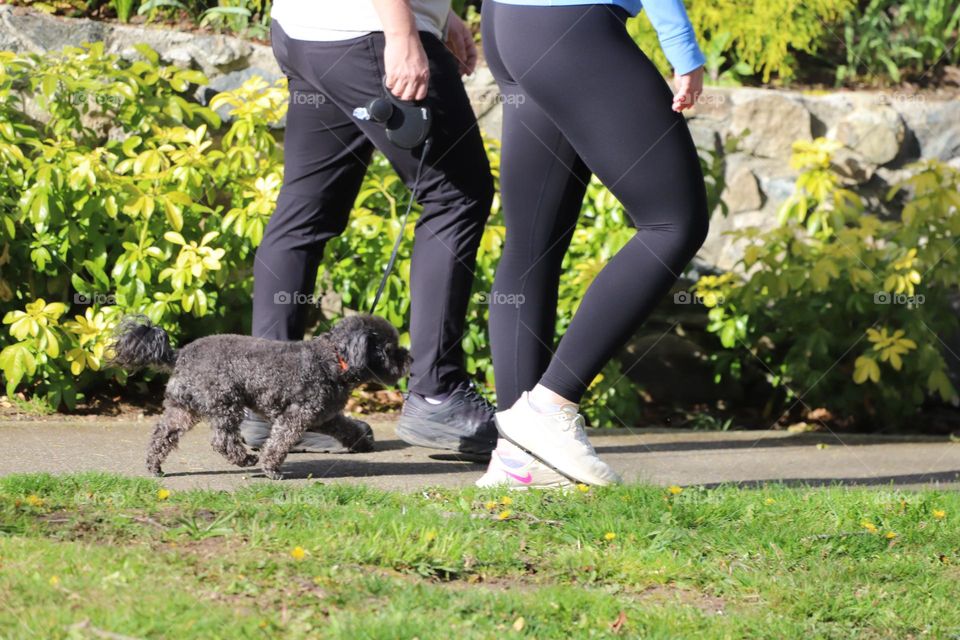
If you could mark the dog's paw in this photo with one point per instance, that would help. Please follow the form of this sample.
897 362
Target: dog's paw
273 474
249 461
363 441
156 472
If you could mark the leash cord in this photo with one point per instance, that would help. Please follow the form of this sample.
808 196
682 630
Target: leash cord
403 226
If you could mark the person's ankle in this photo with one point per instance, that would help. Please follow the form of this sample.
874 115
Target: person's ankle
543 400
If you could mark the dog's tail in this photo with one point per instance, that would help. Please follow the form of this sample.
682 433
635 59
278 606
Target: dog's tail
139 343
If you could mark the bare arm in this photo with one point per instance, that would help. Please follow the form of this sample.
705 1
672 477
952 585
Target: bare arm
408 73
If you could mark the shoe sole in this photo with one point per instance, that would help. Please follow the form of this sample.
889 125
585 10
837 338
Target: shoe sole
595 481
423 433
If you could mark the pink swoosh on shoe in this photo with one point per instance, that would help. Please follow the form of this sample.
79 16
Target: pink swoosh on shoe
527 479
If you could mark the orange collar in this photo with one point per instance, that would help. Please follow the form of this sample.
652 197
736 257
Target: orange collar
343 363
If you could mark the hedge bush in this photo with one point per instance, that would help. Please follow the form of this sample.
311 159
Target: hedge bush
845 310
839 41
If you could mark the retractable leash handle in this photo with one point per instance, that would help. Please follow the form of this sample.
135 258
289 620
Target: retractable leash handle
408 127
407 122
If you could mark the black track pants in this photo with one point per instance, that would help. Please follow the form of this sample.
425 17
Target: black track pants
580 97
326 152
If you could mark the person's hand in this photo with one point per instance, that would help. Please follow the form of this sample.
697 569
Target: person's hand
408 73
461 44
688 88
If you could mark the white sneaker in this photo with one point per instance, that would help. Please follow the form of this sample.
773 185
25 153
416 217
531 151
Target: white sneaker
558 439
513 468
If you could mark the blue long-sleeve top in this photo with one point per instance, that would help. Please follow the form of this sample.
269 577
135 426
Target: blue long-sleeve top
668 17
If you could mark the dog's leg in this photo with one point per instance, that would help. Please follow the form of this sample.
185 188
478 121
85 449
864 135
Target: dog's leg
287 431
226 439
355 435
174 422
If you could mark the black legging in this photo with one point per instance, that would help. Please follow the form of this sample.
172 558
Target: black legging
579 97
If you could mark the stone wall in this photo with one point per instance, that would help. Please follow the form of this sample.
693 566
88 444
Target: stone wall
882 131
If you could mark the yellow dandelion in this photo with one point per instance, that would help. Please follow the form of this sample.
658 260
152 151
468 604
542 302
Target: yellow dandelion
506 500
939 514
54 581
609 535
297 553
163 494
490 505
869 526
34 500
430 536
675 490
504 514
582 488
890 535
769 501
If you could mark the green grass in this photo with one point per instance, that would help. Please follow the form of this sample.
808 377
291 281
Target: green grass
88 556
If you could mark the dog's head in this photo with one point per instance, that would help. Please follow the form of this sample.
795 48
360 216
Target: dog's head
369 347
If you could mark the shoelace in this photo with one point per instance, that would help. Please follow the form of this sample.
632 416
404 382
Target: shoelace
473 397
571 420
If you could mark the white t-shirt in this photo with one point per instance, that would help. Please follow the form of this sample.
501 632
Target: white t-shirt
321 20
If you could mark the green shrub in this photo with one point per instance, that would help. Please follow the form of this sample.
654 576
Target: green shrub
124 9
852 41
742 38
899 40
843 309
135 222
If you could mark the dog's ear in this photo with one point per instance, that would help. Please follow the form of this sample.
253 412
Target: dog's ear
356 349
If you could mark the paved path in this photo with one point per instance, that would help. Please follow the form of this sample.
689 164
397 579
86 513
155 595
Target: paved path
657 456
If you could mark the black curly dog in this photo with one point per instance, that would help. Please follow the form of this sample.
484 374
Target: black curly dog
296 385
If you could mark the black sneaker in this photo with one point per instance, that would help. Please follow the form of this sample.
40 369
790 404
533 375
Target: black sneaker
463 422
255 430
